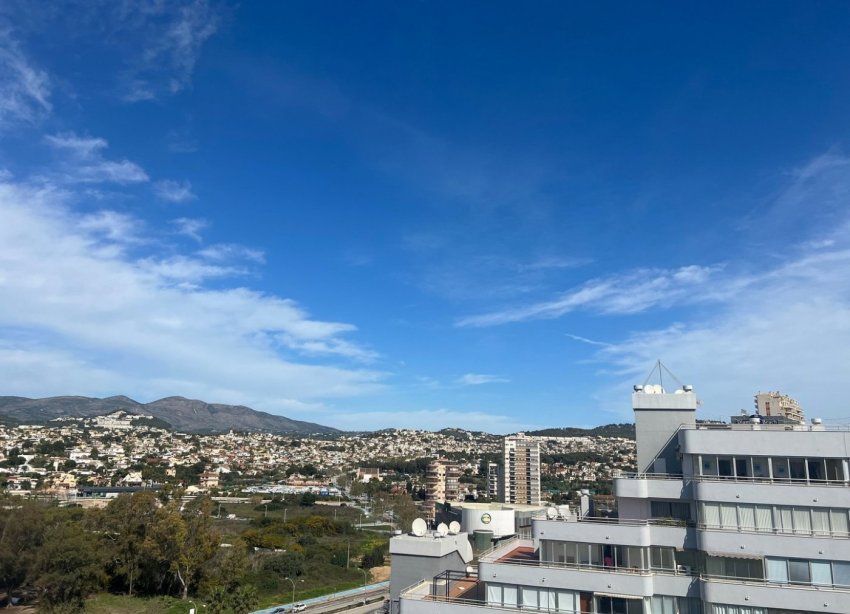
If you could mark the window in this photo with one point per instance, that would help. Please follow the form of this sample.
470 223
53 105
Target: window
661 557
747 517
797 468
798 571
841 573
838 522
670 509
780 468
821 573
711 514
777 570
742 467
835 469
724 467
728 516
617 605
816 470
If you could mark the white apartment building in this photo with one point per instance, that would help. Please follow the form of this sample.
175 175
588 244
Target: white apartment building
737 518
521 470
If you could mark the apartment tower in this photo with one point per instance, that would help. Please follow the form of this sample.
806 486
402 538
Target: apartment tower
521 470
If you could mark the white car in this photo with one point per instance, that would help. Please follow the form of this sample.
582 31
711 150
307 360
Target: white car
299 607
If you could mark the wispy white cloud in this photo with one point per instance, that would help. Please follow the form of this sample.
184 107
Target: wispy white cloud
24 89
586 340
106 321
230 251
632 292
173 191
190 227
84 161
790 329
477 379
173 35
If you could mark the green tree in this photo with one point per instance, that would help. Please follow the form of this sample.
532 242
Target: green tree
21 531
127 522
186 541
244 599
68 569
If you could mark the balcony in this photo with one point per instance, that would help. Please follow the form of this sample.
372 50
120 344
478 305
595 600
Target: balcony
763 594
770 491
651 486
516 562
618 531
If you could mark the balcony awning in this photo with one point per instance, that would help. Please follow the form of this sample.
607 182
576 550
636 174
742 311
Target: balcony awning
618 596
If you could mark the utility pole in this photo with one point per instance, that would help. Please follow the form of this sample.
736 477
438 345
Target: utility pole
348 557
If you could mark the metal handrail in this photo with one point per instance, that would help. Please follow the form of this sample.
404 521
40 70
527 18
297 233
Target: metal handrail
633 522
704 526
508 542
772 583
640 571
632 475
484 604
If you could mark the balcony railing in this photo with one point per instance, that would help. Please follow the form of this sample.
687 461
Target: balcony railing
633 522
631 475
772 584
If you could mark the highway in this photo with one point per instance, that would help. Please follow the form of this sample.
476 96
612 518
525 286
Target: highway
351 601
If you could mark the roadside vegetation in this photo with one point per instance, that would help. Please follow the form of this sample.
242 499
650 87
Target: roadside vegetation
147 553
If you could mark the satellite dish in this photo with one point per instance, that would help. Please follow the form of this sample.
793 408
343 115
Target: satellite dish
442 529
454 527
419 527
551 512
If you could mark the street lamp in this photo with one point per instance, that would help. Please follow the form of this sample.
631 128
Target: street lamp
365 578
293 587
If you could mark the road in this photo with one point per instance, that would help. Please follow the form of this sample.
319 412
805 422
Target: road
350 601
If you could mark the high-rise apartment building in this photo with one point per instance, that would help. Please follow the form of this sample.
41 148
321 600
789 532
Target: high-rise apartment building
493 481
441 485
745 517
521 470
778 404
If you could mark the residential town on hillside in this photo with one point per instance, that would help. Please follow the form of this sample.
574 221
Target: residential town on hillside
123 450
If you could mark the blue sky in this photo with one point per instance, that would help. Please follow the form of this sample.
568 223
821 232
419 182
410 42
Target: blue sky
425 214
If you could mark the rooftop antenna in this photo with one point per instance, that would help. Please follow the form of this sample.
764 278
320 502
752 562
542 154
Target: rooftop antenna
661 369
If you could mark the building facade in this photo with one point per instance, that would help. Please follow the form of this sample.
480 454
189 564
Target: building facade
738 518
778 404
521 470
441 485
493 482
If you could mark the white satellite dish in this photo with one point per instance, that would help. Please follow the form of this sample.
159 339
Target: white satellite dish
454 527
551 512
442 529
419 527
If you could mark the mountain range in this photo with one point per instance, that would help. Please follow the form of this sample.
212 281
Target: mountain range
184 415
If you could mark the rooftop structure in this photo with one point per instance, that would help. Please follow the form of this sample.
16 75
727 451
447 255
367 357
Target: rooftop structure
739 518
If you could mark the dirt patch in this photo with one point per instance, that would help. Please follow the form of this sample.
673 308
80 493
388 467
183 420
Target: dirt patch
380 574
